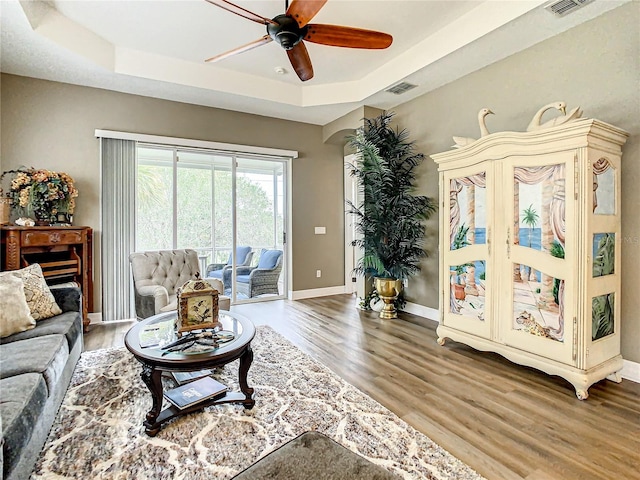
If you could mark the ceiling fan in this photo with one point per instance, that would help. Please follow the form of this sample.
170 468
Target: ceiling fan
291 28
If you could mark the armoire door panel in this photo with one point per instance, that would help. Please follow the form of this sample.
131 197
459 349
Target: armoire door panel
467 213
538 197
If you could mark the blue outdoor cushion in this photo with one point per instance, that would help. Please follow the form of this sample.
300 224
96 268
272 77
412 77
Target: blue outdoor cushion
269 259
241 255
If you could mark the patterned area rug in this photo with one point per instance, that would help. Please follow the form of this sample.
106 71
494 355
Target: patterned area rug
99 434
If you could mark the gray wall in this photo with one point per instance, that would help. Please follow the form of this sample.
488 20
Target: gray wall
51 125
596 66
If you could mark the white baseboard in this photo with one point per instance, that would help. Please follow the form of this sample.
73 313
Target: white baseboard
421 310
317 292
631 371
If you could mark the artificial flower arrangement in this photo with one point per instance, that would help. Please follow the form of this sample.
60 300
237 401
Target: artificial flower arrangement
42 193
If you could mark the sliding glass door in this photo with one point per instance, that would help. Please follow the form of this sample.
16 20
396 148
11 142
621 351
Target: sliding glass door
260 201
230 208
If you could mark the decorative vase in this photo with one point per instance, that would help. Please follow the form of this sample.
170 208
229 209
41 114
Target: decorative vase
42 220
388 289
5 210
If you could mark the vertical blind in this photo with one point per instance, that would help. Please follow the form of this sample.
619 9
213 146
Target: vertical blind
118 166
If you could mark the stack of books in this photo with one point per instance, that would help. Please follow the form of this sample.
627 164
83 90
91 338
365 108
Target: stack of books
185 377
195 392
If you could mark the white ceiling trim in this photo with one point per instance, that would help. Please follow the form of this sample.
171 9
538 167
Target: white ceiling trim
192 143
482 20
105 48
166 69
51 24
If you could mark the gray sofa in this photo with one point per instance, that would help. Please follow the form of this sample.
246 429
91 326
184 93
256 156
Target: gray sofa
35 372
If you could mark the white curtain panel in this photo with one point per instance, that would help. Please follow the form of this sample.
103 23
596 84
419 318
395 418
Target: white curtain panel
118 164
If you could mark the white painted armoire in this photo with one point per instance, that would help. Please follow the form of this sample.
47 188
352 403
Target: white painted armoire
530 248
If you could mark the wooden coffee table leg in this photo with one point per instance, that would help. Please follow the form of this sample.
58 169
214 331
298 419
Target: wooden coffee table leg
153 380
245 363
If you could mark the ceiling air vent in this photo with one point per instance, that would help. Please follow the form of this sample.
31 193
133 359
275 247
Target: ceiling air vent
400 88
563 7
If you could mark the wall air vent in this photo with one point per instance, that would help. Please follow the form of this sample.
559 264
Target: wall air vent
563 7
400 88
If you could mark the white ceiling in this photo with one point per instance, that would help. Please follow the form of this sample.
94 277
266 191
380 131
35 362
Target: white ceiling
156 48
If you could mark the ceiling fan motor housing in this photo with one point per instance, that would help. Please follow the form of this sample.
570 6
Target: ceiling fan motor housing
287 32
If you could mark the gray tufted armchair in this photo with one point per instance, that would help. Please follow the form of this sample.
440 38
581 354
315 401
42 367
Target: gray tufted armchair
158 275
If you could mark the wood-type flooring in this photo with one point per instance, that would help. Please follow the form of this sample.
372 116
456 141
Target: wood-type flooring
506 421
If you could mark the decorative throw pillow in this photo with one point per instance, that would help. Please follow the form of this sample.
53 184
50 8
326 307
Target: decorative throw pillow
39 297
14 311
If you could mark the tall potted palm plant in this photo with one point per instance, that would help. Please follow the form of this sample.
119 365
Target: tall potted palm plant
390 217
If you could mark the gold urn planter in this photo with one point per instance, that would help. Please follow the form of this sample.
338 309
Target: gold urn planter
388 289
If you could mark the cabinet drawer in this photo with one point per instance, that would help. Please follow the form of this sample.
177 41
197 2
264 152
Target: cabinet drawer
36 239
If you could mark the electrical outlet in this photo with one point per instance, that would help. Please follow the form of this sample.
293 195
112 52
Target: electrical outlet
318 273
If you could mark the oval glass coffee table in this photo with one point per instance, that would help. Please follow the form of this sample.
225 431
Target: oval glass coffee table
155 361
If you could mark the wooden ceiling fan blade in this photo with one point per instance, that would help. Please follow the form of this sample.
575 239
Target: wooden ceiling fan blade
243 12
243 48
338 36
300 61
304 10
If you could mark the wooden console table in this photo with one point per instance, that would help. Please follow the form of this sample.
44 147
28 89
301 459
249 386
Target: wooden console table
64 253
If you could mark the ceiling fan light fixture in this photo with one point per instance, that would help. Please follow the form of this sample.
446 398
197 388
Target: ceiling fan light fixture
286 32
287 40
291 28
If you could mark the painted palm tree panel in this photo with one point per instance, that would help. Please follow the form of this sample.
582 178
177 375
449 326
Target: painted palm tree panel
538 310
468 200
604 247
604 188
539 206
602 316
539 224
468 226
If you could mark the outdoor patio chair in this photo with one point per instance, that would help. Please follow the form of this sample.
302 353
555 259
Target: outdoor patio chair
222 271
262 279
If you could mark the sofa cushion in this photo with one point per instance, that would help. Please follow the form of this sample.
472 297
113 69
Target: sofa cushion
39 298
44 355
23 400
15 315
69 299
67 323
